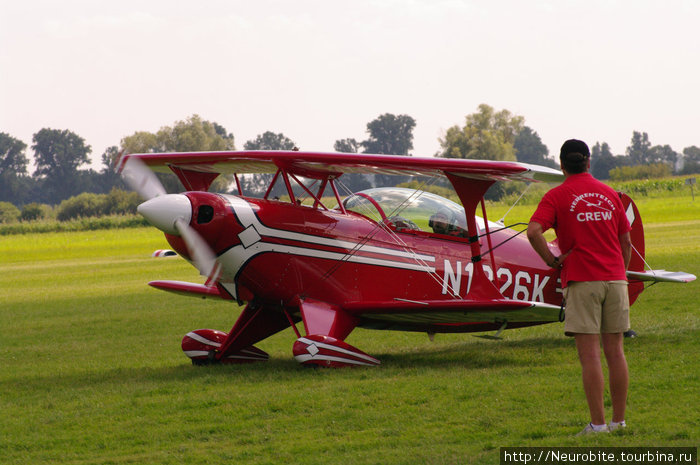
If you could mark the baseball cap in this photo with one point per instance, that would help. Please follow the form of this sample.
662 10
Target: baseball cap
574 146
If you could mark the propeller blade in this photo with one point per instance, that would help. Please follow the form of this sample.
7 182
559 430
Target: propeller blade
203 257
141 179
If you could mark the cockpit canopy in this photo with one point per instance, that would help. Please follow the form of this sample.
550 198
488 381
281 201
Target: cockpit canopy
410 209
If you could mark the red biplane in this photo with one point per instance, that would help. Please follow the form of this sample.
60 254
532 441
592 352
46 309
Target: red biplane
383 258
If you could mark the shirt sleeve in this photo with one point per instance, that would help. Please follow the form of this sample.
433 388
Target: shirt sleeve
545 214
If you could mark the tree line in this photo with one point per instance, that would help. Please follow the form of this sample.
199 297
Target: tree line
59 156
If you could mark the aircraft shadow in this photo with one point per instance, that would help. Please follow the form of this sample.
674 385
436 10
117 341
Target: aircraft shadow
468 354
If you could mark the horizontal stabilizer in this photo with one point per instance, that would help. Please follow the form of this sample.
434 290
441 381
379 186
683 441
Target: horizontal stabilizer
190 289
661 276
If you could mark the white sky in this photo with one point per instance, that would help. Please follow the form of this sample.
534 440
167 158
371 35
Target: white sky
319 71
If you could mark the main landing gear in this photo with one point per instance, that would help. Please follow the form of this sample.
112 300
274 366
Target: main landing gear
202 347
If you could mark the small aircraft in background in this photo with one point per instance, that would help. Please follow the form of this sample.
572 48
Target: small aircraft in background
384 258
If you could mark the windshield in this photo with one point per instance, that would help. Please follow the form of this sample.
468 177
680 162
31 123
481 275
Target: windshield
410 209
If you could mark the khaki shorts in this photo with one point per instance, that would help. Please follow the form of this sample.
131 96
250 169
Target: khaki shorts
594 307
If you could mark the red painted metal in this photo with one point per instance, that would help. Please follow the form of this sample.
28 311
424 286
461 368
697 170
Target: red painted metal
336 270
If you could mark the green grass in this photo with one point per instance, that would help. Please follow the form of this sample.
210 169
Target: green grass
91 370
652 210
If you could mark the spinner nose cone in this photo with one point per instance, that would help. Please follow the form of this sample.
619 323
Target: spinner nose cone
164 210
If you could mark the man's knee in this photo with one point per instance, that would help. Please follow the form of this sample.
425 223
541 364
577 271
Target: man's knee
613 346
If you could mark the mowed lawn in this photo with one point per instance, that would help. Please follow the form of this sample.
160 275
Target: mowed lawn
91 371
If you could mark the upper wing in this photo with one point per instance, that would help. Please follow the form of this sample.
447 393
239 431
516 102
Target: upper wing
198 169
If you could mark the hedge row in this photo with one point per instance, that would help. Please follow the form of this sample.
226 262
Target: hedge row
86 205
82 224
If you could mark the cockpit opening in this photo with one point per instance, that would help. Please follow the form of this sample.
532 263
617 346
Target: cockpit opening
406 209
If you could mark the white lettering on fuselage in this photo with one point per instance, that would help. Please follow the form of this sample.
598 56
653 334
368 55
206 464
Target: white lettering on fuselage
524 286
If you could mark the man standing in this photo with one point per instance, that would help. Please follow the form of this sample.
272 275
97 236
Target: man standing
594 238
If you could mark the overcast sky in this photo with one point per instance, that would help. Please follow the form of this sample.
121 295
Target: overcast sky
319 71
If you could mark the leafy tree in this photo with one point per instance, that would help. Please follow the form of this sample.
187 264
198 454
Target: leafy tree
191 135
13 169
109 178
530 149
142 142
88 204
639 150
8 213
257 184
346 146
487 135
12 158
663 154
58 154
390 135
602 161
194 134
35 211
270 141
110 158
82 205
691 160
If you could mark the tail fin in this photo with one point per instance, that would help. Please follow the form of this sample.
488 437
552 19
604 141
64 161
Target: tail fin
637 235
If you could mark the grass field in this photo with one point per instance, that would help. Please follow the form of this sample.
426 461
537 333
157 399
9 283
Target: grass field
91 370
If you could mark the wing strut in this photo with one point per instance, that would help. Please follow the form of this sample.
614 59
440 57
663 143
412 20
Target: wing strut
471 191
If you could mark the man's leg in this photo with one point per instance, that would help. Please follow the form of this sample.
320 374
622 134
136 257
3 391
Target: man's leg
619 375
588 346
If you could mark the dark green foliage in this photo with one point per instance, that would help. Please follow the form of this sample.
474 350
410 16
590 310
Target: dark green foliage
530 149
390 135
346 146
58 154
77 225
81 206
691 160
270 141
85 205
12 158
35 211
654 170
13 169
602 161
8 212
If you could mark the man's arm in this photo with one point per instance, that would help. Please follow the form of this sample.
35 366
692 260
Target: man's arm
535 235
625 245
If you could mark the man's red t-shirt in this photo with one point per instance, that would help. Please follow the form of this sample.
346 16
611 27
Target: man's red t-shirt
588 218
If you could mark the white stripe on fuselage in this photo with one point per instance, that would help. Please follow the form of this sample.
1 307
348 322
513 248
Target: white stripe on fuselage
235 258
247 217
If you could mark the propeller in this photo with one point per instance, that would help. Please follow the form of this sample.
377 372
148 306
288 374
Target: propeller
171 213
203 256
141 179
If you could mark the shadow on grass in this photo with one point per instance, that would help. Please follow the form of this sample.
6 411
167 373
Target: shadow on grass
465 355
477 354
